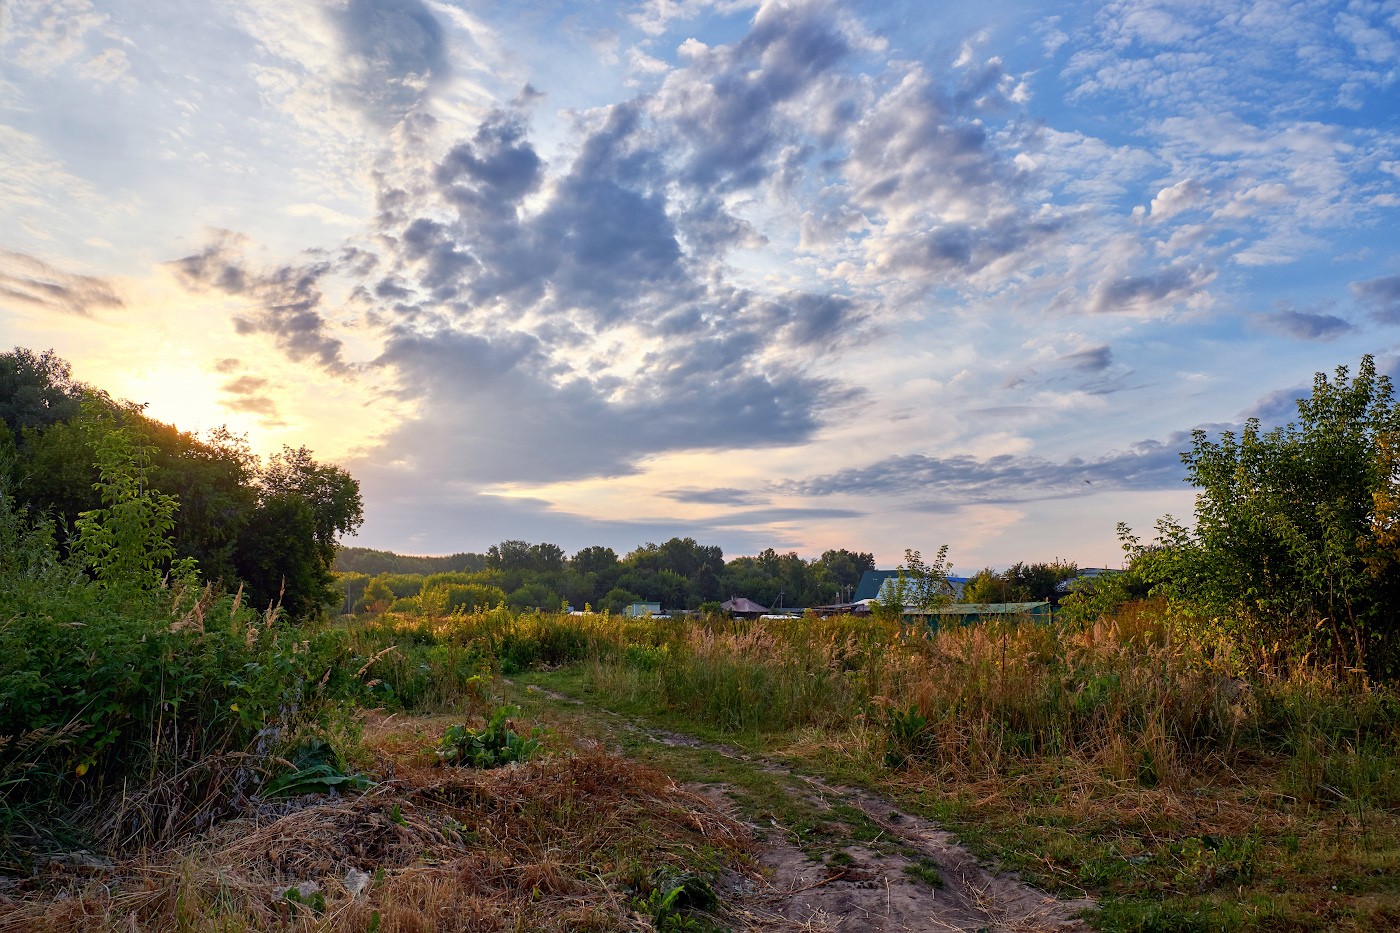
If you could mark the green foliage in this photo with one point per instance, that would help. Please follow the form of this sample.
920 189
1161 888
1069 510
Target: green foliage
671 898
108 684
372 562
925 870
37 390
313 768
919 586
534 596
496 744
287 549
1019 583
616 600
1295 552
445 598
125 542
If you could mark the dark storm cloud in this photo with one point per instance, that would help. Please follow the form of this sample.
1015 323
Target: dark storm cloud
1305 325
1381 297
28 281
395 53
1007 478
287 299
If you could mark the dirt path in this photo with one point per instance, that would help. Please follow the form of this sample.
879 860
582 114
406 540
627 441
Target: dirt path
910 875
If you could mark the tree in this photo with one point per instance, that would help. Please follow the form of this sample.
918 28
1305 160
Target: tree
596 559
1020 582
918 586
332 494
280 561
126 541
286 550
37 390
510 555
534 596
846 567
1295 542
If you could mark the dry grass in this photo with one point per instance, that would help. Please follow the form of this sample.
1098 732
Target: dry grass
550 845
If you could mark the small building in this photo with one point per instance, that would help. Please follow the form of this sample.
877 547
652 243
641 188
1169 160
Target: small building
876 584
743 608
639 610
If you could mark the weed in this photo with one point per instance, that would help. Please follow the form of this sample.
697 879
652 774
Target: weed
492 746
925 870
314 768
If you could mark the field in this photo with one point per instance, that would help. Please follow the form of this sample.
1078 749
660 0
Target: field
549 772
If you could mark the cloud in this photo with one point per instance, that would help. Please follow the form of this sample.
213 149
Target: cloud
1304 325
247 395
955 480
1092 359
1381 297
46 35
1153 293
395 53
286 300
719 496
1182 196
775 516
497 409
1277 407
30 282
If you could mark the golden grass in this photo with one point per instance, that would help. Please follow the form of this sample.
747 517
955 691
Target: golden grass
549 845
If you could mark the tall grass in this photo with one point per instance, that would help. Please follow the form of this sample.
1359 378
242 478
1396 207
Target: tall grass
1127 695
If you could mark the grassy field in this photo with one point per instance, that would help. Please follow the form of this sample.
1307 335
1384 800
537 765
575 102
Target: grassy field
1115 758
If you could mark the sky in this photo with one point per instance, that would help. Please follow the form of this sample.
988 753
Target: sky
803 275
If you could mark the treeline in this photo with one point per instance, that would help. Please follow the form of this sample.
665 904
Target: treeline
270 527
679 574
373 562
1020 583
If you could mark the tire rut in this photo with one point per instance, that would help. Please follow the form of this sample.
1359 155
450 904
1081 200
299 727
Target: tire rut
885 886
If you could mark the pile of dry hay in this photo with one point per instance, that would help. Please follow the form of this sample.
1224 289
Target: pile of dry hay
562 843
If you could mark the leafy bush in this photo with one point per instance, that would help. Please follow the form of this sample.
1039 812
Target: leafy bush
1295 551
107 689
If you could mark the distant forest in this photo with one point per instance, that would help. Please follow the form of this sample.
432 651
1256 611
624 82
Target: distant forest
679 574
